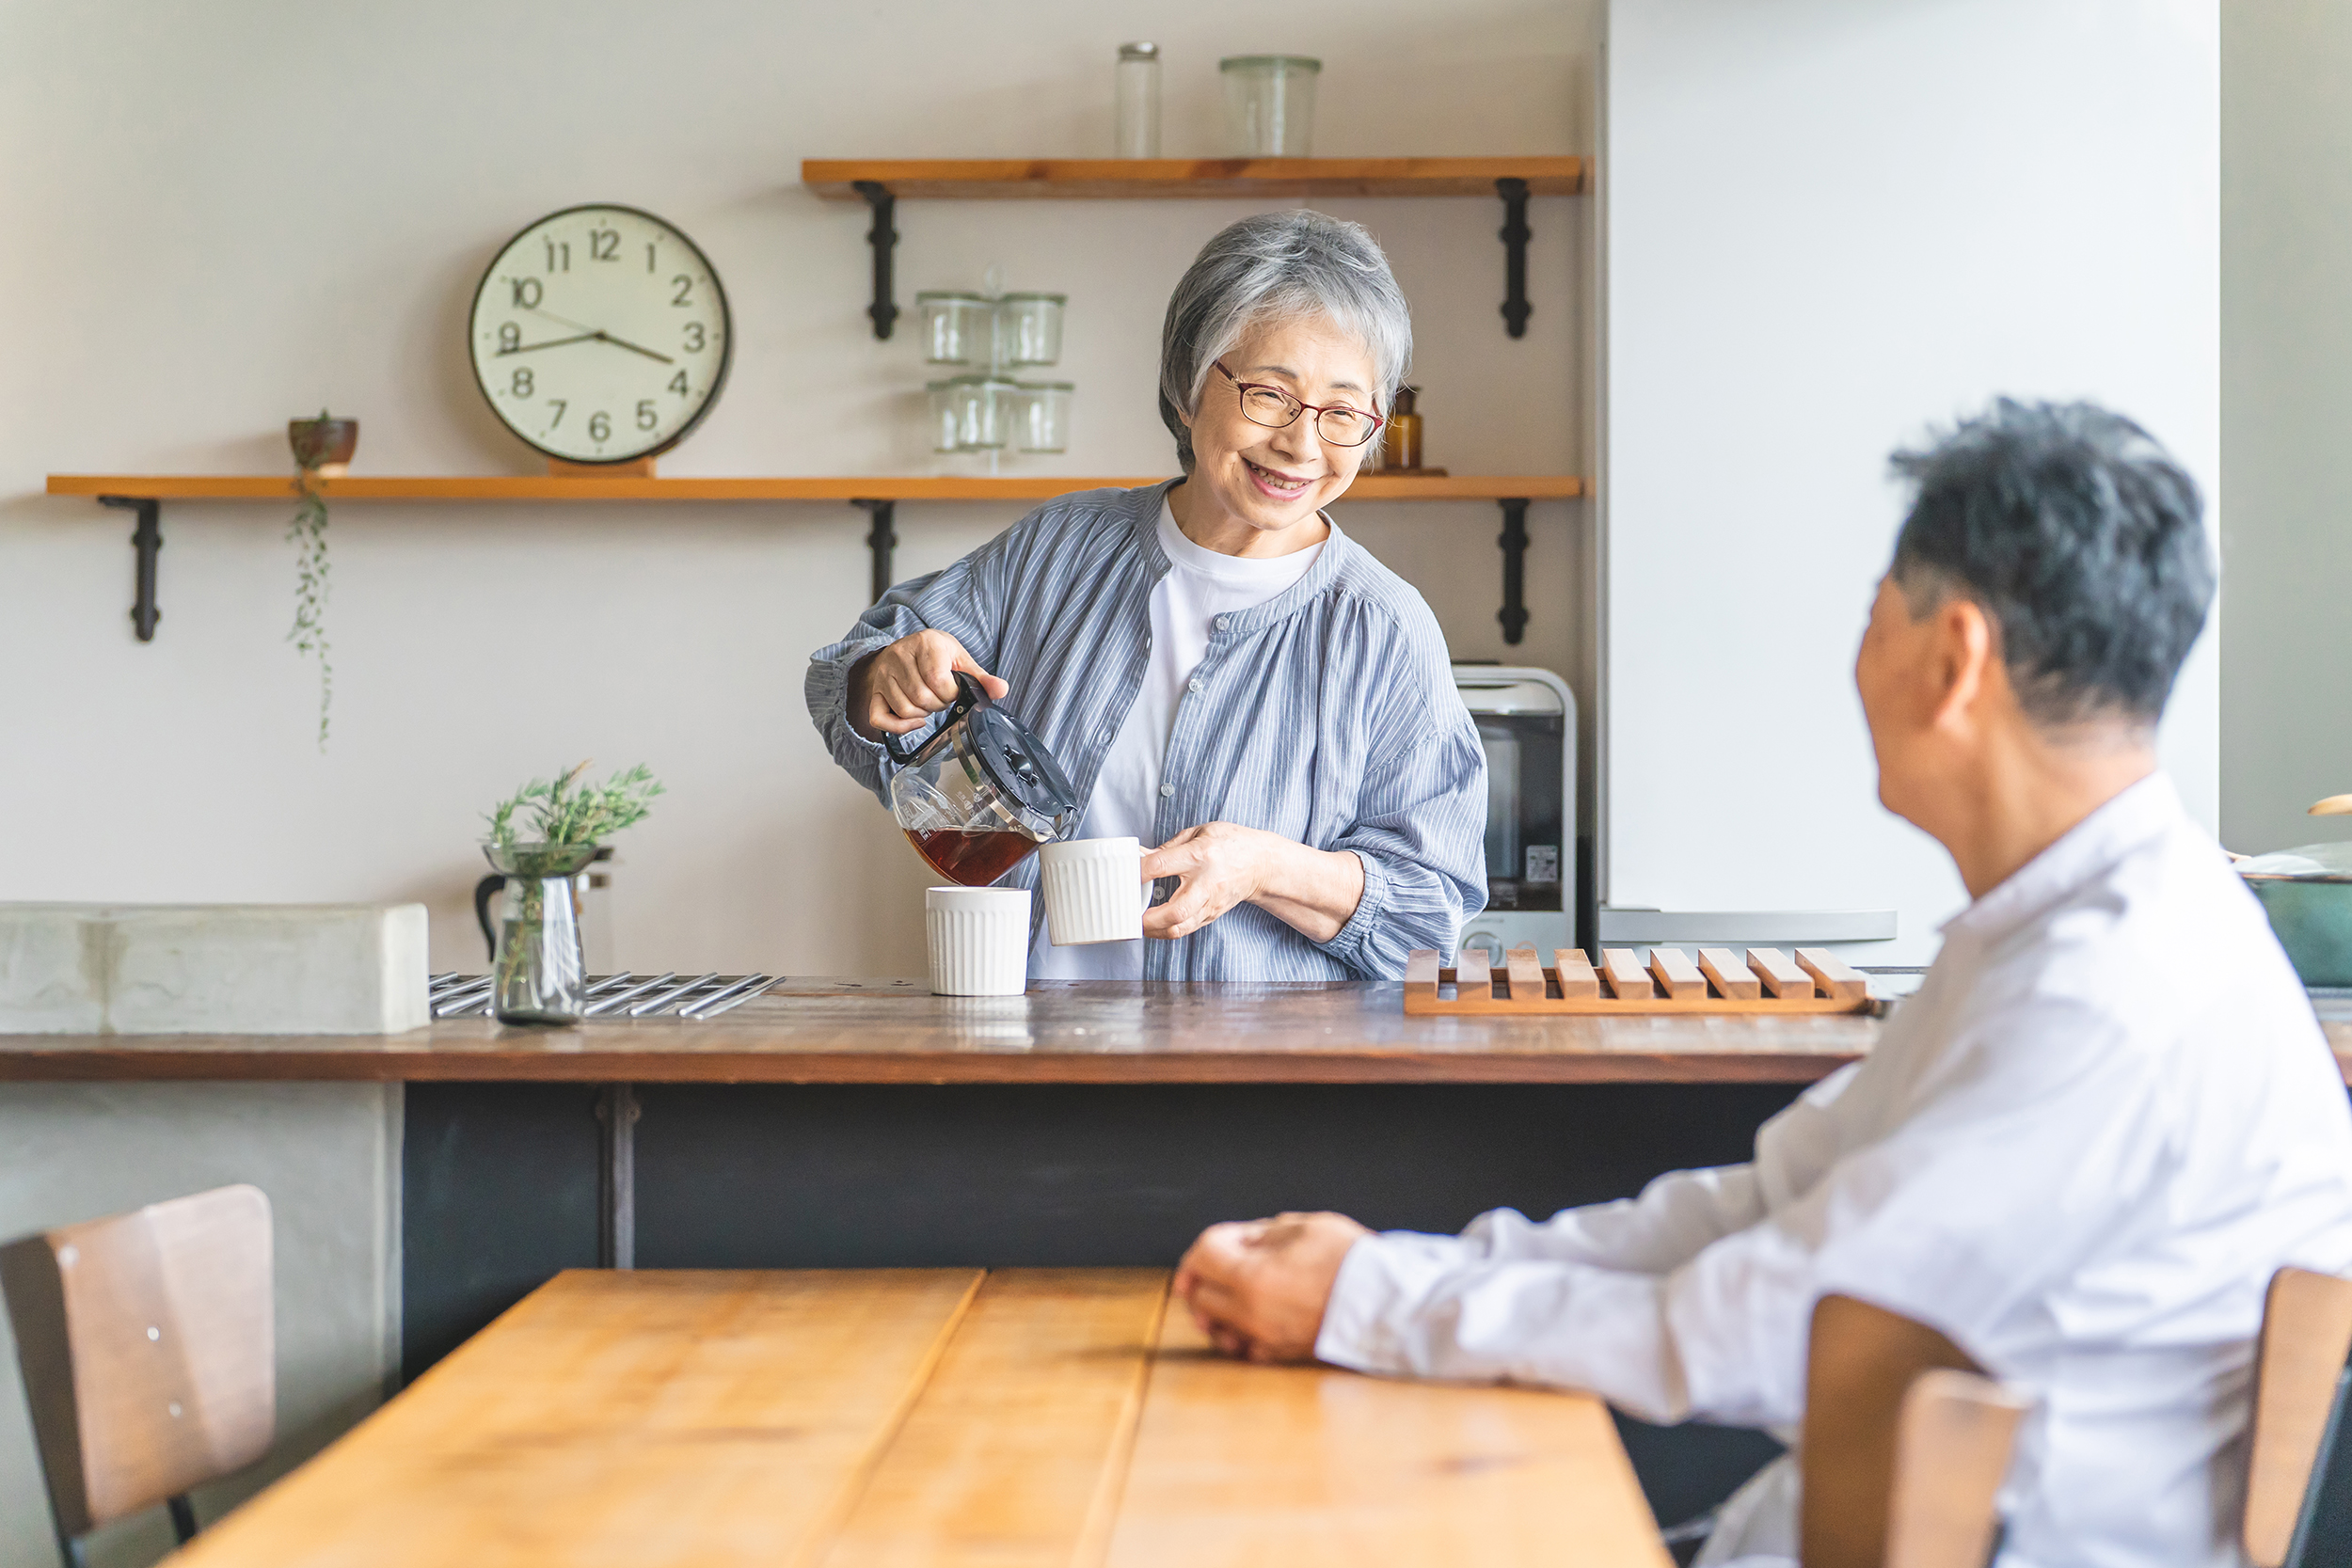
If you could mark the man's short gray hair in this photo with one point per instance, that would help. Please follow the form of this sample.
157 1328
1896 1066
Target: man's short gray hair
1281 266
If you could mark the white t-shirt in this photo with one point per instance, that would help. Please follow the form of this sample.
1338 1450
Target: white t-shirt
1200 586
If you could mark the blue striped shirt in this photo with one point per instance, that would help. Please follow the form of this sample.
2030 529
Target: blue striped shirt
1328 714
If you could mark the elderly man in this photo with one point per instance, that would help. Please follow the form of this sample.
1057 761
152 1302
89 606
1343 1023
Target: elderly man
2081 1150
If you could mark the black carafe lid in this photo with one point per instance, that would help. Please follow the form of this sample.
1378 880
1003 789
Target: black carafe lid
1015 760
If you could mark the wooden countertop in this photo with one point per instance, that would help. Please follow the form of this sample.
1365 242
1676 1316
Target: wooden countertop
1062 1032
1024 1419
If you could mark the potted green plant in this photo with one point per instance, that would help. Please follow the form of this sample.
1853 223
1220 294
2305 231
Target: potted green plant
322 450
539 973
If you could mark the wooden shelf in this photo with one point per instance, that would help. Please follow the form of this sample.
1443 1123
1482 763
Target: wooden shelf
880 183
944 487
878 495
1146 179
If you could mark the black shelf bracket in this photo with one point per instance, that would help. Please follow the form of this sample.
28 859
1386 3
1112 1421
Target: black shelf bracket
885 239
145 539
1515 237
1514 542
882 540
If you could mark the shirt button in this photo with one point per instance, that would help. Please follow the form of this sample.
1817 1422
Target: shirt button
1224 621
1104 739
1193 684
1167 791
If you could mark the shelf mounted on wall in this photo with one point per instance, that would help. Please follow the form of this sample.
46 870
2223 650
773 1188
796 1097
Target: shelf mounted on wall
881 183
878 496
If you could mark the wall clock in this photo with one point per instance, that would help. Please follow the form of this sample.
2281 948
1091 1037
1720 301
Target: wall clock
600 334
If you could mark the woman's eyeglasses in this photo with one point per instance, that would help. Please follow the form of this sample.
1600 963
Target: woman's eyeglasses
1269 405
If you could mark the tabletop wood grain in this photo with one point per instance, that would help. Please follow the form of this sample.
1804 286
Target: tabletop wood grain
818 1031
1028 1418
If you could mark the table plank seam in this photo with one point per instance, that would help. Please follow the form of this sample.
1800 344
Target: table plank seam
1094 1536
826 1535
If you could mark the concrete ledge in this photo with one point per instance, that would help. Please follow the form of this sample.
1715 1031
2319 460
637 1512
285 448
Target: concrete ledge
233 969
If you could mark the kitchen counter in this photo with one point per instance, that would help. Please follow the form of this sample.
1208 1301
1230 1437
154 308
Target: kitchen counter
1062 1032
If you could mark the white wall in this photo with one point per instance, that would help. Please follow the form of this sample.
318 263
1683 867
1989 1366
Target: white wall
2286 392
223 217
1829 223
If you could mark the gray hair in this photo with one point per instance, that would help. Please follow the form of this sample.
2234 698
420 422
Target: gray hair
2081 540
1281 266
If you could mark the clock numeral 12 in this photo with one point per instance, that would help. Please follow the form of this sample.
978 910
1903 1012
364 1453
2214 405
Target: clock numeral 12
604 245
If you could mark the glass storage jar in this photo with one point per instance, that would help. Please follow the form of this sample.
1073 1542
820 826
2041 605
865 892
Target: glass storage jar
955 326
1138 100
1040 418
1270 104
1028 328
970 413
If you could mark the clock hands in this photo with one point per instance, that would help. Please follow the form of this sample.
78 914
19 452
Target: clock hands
623 342
587 333
551 342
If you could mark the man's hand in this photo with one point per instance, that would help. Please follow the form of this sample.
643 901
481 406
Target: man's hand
1258 1287
895 689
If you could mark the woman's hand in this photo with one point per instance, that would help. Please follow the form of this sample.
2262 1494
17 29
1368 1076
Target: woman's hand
893 691
1220 864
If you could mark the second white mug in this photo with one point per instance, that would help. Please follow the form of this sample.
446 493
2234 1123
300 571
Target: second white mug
1093 890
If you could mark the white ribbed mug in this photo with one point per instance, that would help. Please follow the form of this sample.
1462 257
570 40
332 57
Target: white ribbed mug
980 940
1093 890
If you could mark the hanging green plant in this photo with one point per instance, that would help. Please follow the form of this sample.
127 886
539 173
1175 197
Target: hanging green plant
322 450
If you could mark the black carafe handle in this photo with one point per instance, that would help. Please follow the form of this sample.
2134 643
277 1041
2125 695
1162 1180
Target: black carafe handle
968 696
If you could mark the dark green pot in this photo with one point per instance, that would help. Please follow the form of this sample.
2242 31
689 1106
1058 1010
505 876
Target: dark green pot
2312 917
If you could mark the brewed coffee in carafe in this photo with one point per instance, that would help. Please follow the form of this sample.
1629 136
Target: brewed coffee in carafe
980 793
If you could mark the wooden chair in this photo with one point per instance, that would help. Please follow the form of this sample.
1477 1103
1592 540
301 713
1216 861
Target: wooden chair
1905 1444
148 1355
2299 1392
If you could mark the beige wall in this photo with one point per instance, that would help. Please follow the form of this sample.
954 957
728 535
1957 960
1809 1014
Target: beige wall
223 217
2286 418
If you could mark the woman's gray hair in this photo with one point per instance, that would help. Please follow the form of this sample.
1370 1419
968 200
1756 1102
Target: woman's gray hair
1282 266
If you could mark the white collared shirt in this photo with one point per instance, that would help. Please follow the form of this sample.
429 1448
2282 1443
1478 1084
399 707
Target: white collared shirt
2081 1150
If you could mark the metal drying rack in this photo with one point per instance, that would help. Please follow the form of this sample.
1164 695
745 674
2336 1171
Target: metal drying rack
613 997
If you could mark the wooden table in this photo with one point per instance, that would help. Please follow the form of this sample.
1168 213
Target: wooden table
931 1419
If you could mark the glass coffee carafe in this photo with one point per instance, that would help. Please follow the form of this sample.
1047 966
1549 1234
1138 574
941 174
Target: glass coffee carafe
980 793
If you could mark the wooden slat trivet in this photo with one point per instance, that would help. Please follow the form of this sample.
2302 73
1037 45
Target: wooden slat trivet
1767 982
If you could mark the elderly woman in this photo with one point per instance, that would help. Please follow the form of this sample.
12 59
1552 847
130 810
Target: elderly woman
1221 672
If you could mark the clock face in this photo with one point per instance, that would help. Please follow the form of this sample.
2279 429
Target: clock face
600 334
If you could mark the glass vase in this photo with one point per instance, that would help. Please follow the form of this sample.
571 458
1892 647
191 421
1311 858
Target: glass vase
539 975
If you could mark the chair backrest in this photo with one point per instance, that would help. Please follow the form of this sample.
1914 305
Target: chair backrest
2298 1366
148 1350
1904 1445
